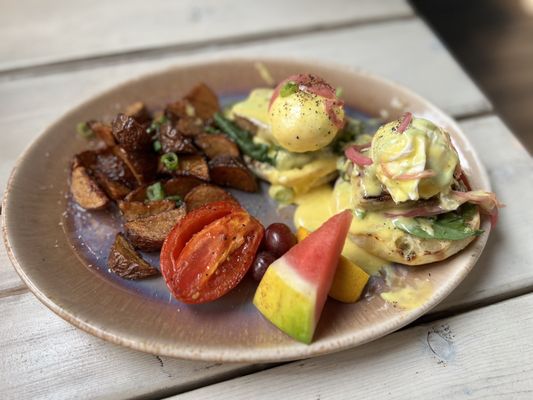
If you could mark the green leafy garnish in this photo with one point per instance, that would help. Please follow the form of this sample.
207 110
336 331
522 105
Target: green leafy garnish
84 131
156 124
155 192
289 88
339 91
449 226
157 146
170 161
243 139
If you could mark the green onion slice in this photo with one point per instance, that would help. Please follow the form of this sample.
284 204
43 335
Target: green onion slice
170 161
288 89
155 192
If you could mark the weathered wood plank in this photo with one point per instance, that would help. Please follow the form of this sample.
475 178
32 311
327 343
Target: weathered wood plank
484 354
47 32
427 68
43 357
504 268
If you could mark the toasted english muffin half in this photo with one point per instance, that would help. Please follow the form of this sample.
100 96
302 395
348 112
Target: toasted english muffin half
395 245
402 248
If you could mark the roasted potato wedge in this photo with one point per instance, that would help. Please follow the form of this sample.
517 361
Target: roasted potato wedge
179 109
143 166
172 140
138 112
232 172
214 145
149 233
179 185
131 135
114 189
190 126
205 194
103 131
132 210
109 172
124 261
204 101
86 191
188 165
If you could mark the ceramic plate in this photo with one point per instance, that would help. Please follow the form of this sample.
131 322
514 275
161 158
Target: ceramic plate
60 251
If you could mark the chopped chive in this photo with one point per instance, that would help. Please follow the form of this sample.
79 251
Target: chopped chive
155 192
157 146
288 89
170 161
339 91
84 131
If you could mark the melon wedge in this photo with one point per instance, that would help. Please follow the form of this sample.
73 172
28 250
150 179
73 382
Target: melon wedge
295 287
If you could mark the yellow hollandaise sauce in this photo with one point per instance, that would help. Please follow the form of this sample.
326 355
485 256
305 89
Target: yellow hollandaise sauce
315 207
404 295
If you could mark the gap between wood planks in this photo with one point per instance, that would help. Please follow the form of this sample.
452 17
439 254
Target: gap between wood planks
215 380
81 63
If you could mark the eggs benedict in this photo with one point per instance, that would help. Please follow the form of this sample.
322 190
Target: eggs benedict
300 120
412 200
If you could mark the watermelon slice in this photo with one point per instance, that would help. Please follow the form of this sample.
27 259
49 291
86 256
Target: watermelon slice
294 289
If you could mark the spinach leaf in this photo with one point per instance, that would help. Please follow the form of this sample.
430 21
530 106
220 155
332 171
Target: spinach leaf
449 226
244 140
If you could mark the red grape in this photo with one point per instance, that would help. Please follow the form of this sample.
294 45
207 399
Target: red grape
262 261
278 239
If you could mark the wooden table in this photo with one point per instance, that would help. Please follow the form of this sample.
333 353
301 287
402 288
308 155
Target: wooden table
477 344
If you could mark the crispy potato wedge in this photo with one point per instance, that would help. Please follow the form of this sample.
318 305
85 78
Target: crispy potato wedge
143 166
172 140
149 233
188 165
232 172
204 101
103 131
138 112
86 191
190 126
205 194
179 185
214 145
124 261
131 135
132 210
109 172
179 109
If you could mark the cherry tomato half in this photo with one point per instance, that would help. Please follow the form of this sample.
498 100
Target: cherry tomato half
209 252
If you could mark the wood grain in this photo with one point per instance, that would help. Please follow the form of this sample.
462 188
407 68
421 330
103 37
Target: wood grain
36 102
62 30
504 269
484 354
43 356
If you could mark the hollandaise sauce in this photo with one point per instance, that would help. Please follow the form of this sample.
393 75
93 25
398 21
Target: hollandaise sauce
315 207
